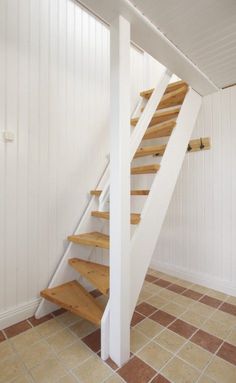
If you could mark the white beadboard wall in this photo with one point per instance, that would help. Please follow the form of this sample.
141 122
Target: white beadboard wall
197 241
54 96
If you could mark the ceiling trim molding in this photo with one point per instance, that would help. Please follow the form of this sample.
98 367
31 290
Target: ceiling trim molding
150 39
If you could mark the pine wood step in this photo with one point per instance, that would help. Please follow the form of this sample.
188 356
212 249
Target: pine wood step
157 150
95 273
170 88
173 98
91 239
97 193
134 217
164 129
160 115
145 169
73 297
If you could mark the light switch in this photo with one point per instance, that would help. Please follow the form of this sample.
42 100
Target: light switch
8 135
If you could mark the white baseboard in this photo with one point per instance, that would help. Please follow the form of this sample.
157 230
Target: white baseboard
18 313
200 278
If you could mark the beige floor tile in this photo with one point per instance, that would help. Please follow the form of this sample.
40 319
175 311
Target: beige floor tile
157 301
6 350
149 328
184 301
193 318
93 371
26 339
61 340
217 294
137 340
24 378
231 338
227 319
151 288
221 371
178 371
195 355
114 379
35 354
218 329
154 355
68 319
231 300
174 309
205 379
10 369
170 278
144 295
74 355
48 328
184 283
83 328
50 371
168 295
200 289
202 309
67 379
154 272
170 340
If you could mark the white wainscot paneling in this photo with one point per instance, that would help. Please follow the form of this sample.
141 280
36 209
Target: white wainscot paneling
197 239
54 96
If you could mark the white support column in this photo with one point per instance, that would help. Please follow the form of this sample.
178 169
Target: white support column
119 336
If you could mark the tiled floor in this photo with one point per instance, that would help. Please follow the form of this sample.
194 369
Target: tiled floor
181 333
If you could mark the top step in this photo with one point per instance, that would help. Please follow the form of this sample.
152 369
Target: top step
170 88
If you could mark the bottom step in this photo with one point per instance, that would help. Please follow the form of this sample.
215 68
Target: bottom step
73 297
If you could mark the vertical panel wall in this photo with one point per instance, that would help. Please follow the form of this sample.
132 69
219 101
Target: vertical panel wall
54 97
198 238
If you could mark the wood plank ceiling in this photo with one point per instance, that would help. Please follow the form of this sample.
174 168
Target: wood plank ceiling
204 30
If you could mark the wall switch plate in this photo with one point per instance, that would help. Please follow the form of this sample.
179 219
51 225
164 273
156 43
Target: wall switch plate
8 136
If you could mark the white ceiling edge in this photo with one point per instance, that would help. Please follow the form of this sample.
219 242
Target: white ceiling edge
151 40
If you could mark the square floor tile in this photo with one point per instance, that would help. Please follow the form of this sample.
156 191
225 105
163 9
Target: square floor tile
137 340
228 352
218 329
36 322
93 340
174 309
228 308
145 309
170 340
209 301
177 371
192 294
207 341
2 337
182 328
231 338
11 368
162 317
75 354
115 378
94 370
221 371
67 379
150 278
195 355
193 318
36 354
83 328
160 379
50 371
61 340
17 329
224 317
162 283
136 368
149 328
48 328
6 350
176 288
154 355
25 339
157 301
136 318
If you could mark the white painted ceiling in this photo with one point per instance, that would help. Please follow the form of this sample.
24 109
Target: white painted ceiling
204 30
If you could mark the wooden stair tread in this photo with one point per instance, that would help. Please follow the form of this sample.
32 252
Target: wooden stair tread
160 115
150 150
170 88
97 193
164 129
145 169
173 98
73 297
134 217
91 239
95 273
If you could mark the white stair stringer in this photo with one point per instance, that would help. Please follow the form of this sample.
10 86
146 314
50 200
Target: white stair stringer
147 233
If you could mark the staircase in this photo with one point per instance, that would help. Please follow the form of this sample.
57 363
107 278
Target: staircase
64 290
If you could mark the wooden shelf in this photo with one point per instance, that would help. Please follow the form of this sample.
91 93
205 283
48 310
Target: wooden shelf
73 297
95 239
95 273
134 217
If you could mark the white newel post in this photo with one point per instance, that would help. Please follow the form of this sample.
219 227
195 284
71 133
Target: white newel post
119 337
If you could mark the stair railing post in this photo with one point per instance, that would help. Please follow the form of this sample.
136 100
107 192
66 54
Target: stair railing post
119 337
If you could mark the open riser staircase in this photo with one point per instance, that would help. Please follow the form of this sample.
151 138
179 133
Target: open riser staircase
162 126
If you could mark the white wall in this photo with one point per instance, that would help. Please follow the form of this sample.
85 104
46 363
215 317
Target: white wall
197 241
54 96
